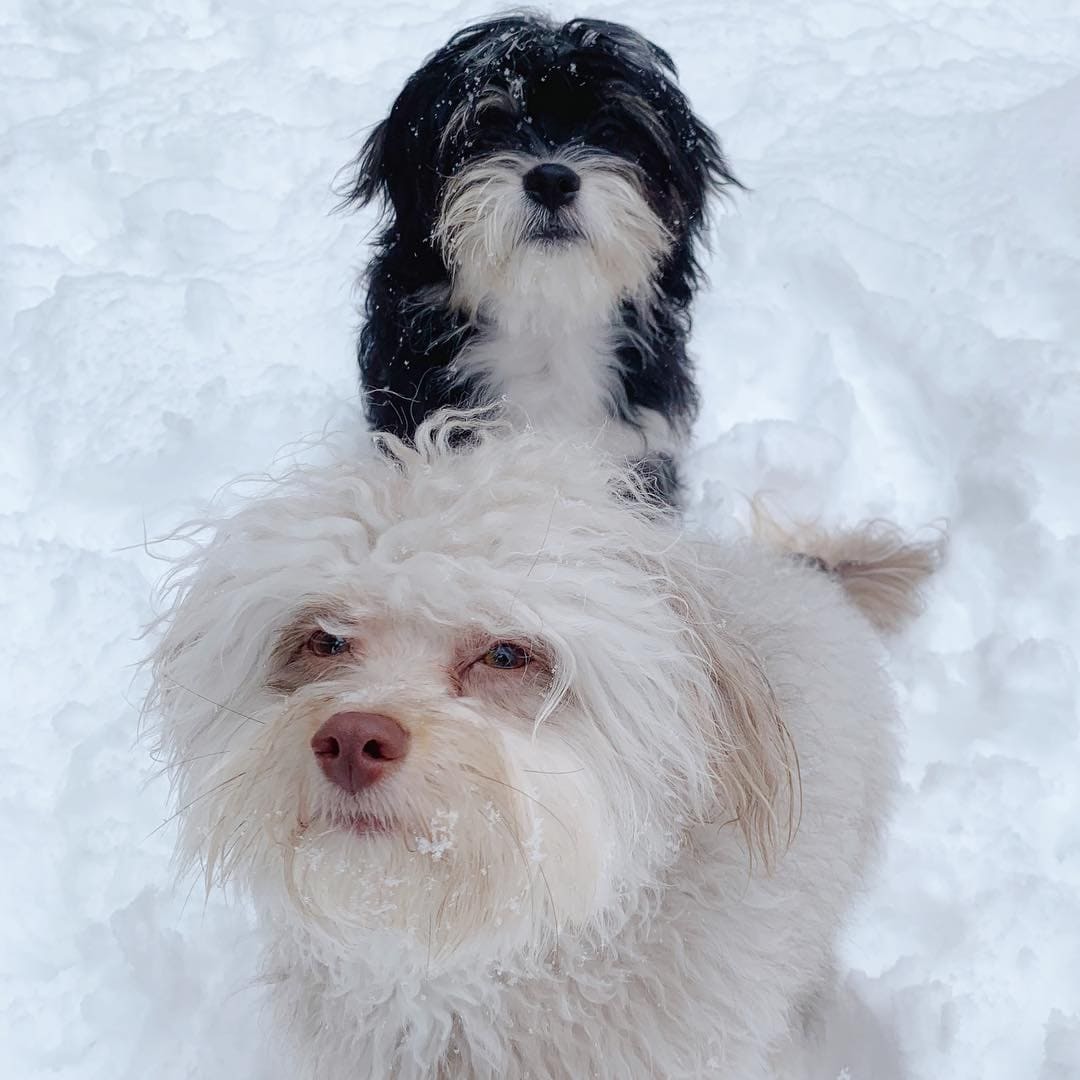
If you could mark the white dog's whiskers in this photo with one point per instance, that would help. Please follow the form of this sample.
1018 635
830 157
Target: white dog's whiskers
532 798
217 704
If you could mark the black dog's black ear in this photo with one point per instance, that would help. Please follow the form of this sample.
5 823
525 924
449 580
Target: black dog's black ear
366 175
620 40
398 161
715 172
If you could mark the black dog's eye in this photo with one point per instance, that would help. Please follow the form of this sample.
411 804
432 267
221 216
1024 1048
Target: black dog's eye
323 644
505 656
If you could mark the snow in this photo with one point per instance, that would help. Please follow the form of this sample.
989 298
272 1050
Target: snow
889 331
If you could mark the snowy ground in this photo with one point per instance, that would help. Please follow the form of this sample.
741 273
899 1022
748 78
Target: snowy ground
890 330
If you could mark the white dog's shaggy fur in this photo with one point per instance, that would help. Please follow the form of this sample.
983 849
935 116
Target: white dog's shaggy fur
626 858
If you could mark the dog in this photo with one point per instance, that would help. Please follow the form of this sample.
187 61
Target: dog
545 191
523 780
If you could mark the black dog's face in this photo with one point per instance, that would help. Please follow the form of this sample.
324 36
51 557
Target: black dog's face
521 141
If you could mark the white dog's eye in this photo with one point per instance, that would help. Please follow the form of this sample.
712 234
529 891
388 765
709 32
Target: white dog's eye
323 644
505 656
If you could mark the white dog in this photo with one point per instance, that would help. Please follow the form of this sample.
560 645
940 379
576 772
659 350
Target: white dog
523 782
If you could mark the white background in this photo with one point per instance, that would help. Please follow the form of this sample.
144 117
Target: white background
890 330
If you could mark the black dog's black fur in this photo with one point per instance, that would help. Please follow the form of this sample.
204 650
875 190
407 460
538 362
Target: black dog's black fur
585 83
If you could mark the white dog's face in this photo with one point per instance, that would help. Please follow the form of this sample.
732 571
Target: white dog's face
422 788
452 702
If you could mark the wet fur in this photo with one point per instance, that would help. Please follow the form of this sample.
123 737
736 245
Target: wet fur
585 336
632 862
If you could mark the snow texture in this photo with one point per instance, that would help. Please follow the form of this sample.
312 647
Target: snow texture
890 330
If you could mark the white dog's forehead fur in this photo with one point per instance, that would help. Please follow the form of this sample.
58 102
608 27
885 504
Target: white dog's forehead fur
456 543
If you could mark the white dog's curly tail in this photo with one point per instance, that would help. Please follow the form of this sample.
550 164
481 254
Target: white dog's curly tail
881 570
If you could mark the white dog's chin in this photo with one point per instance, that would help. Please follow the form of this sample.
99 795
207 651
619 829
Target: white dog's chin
491 842
496 869
502 269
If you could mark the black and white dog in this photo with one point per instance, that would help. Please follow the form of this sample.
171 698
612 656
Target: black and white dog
545 188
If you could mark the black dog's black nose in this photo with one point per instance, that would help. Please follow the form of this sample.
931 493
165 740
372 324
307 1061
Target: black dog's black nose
552 185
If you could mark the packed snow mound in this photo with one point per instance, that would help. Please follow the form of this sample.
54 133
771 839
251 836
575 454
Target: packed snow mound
889 331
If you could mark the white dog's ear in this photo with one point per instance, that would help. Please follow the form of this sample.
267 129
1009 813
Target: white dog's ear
758 768
753 763
206 660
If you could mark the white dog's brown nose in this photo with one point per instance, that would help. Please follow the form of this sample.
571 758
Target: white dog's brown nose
354 749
